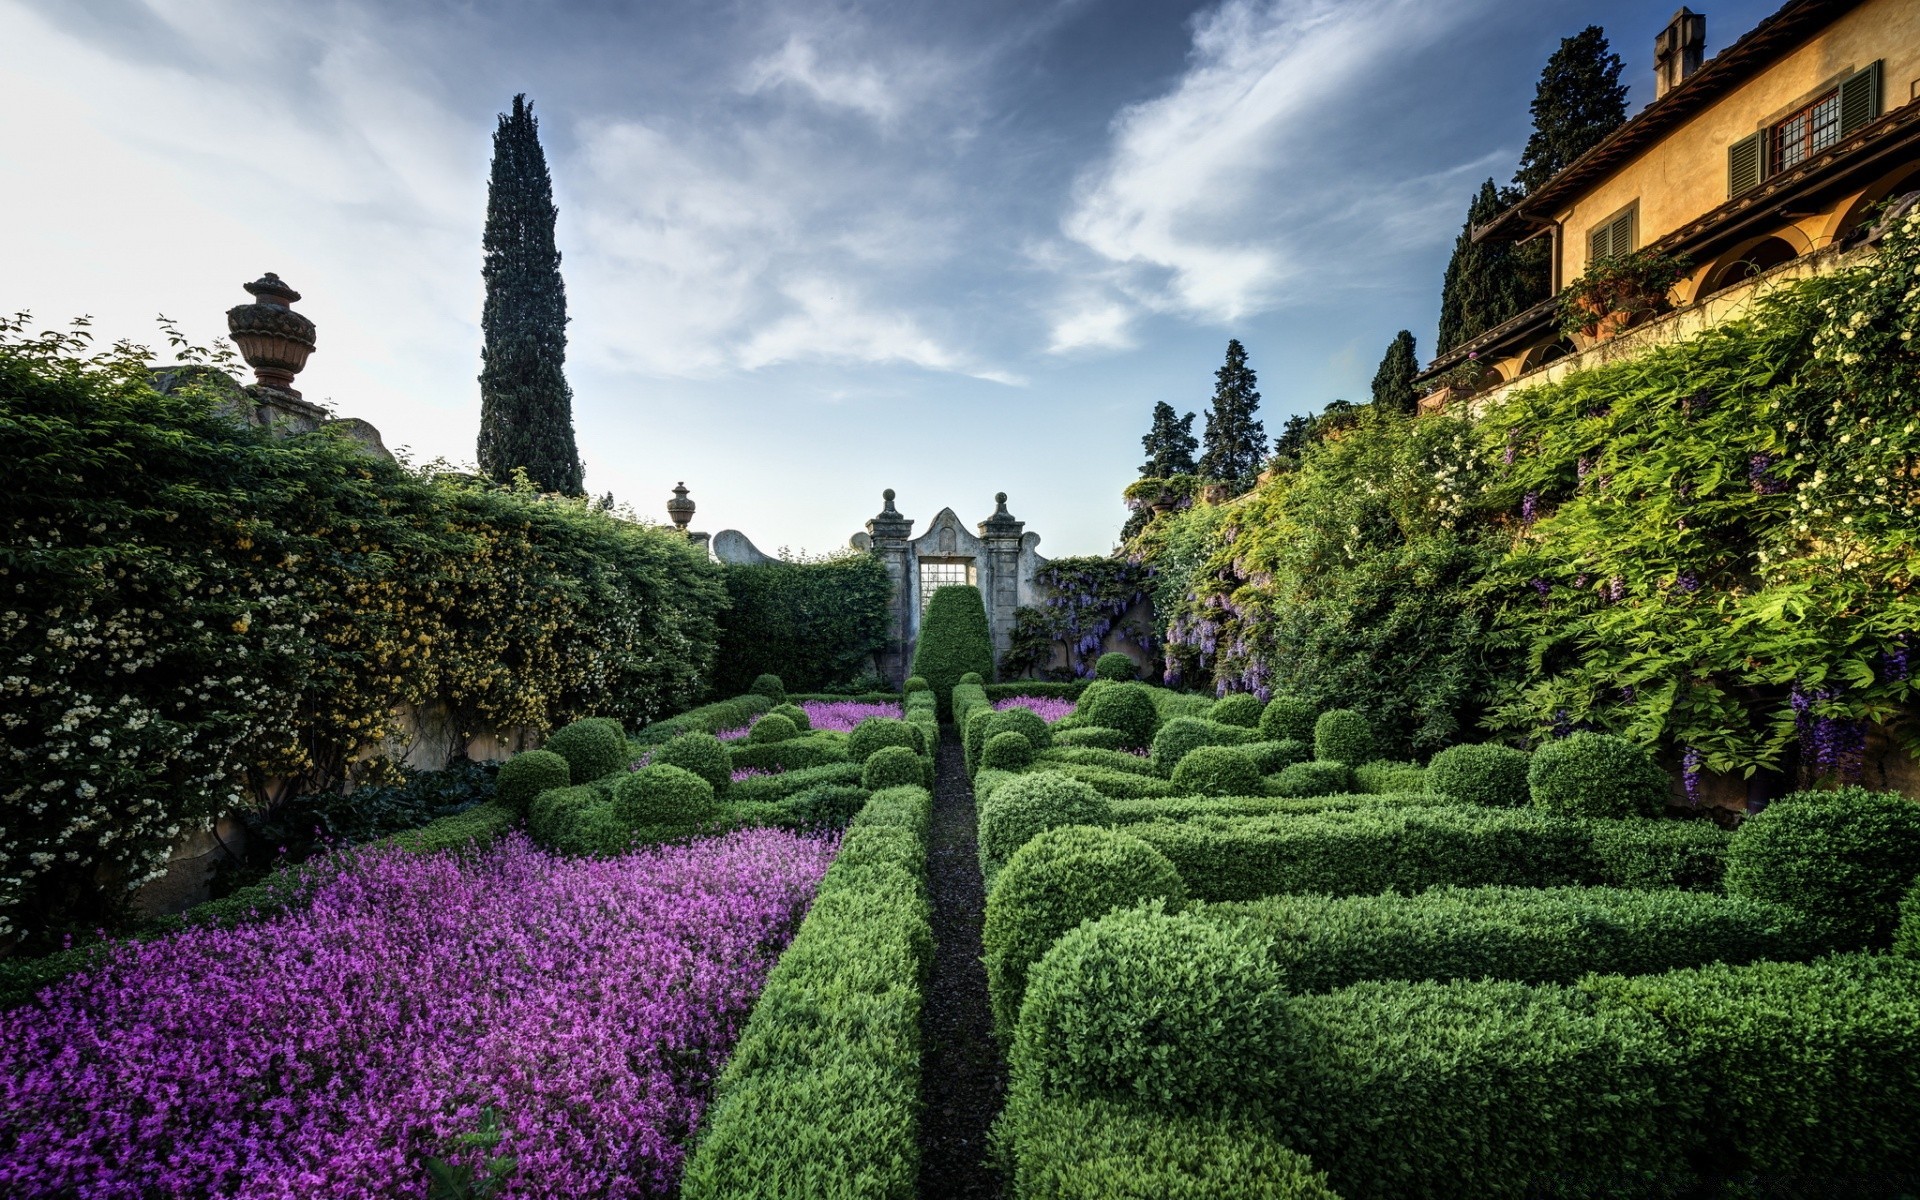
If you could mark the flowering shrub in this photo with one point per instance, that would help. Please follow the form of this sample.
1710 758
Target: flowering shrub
588 1004
1086 598
841 716
1047 708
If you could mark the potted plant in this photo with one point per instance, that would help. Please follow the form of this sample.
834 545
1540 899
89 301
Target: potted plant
1613 291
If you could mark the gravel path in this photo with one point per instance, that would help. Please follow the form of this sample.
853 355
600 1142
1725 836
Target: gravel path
962 1078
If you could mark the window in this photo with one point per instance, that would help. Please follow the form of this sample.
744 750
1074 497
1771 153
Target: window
1805 133
1614 236
936 573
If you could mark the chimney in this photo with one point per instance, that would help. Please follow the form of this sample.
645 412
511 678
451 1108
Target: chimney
1678 51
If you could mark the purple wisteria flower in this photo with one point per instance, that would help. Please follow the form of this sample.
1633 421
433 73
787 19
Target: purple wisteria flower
330 1050
1048 708
1686 581
1543 587
1690 764
842 715
1828 744
1529 507
1760 476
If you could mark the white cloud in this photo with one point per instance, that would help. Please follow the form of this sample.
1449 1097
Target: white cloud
859 87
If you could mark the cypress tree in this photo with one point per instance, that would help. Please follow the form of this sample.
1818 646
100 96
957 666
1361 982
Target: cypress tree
1295 436
1580 100
1393 382
1169 444
1487 283
526 408
1236 441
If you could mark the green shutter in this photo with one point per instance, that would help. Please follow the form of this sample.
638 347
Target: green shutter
1612 239
1598 246
1743 164
1859 99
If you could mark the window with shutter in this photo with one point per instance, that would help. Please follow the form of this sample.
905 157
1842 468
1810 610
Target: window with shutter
1743 165
1612 239
1859 99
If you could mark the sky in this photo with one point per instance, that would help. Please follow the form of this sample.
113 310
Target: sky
811 250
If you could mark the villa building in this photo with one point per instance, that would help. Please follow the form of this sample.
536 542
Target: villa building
1771 161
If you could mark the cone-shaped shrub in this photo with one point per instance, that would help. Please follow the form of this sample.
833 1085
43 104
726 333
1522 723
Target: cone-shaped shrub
953 641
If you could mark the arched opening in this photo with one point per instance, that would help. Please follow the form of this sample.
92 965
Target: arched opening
1865 210
1544 353
1762 256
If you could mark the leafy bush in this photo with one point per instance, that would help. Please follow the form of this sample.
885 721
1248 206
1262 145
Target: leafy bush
1113 665
767 788
1312 779
821 1097
1063 876
771 728
1488 774
708 718
1023 721
892 766
1027 805
662 795
829 804
770 686
1093 756
1846 856
1120 784
1651 852
1240 708
1008 751
526 775
812 624
793 712
1596 775
1125 707
703 754
579 820
807 750
594 748
1271 758
915 683
1100 736
1288 719
1218 771
1385 777
1906 935
973 734
972 677
954 641
1182 735
1342 735
874 734
1530 935
1810 1067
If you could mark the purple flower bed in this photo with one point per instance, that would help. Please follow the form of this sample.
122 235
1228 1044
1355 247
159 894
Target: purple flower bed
1048 708
843 715
749 772
329 1051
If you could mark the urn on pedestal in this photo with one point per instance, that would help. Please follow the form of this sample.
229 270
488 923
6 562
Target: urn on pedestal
273 338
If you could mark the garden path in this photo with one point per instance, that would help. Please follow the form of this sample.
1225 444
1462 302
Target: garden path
963 1078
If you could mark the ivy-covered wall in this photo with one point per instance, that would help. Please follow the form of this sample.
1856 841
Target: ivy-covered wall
814 624
193 616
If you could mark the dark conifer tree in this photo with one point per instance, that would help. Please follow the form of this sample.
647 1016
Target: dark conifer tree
1489 282
1294 437
1393 382
526 408
1169 444
1236 441
1580 100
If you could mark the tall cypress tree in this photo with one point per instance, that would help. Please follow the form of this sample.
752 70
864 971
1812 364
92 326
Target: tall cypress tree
1236 441
1169 444
526 408
1579 100
1393 382
1488 283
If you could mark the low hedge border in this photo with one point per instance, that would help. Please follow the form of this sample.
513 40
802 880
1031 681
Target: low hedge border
708 718
1069 690
1187 808
807 750
821 1095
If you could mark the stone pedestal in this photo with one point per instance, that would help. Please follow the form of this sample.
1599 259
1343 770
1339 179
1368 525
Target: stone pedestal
888 535
1000 536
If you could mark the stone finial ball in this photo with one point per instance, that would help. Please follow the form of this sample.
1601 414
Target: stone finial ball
887 495
999 497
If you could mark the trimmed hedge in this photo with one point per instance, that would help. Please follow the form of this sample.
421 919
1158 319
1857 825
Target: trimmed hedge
1184 808
1312 779
1063 876
1183 734
807 750
1127 707
1113 665
1098 736
877 733
1118 784
1007 751
1846 856
892 766
954 640
594 747
1064 690
1343 735
736 713
916 684
1288 719
1906 937
1028 805
1218 771
703 754
760 788
821 1097
1240 708
1642 852
526 775
772 728
770 686
1490 775
661 794
1023 721
1090 756
828 804
1270 758
1383 776
1528 935
1596 775
793 712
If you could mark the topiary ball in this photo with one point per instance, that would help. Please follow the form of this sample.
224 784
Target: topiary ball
972 677
1312 779
1343 735
1006 751
796 714
1241 708
703 754
1846 857
892 766
1023 721
1488 774
1113 665
1183 735
594 748
660 794
1029 804
916 684
770 687
1171 1009
1219 771
877 733
772 728
1596 775
1057 880
526 775
1288 719
1127 707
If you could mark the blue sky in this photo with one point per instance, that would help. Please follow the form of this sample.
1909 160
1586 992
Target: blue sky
811 250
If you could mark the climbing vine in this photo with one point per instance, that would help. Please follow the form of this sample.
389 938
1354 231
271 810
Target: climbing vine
1086 599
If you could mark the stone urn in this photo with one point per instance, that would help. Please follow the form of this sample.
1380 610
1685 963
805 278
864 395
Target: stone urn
273 338
680 508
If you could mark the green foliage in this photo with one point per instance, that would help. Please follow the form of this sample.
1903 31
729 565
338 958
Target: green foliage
1186 808
526 775
1810 1067
1393 381
1490 282
954 641
1023 721
892 766
768 788
796 714
1126 783
1113 666
874 734
1060 878
916 684
806 625
1218 771
1288 719
1315 778
703 754
821 1097
1183 735
1086 598
1006 751
807 750
1845 856
1383 777
1093 736
594 748
578 820
769 685
1270 758
1126 707
771 728
1490 775
1579 101
1342 735
1906 935
1596 775
526 407
1236 442
708 718
1094 756
1638 852
970 677
1241 708
1169 445
1028 805
466 1180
